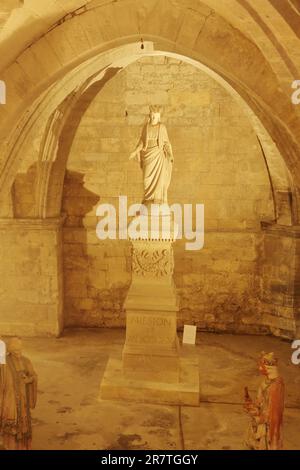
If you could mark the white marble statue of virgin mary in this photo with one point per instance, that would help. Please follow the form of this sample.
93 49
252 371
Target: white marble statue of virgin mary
155 155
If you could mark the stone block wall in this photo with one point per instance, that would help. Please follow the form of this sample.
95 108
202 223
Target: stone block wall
280 278
31 288
218 162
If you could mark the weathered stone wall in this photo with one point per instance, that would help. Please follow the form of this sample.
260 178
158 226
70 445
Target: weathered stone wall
280 278
218 162
31 277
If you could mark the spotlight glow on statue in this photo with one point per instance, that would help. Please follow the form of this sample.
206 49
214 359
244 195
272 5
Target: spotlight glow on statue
155 155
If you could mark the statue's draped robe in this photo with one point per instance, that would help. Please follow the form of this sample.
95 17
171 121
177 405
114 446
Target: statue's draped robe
156 160
16 400
265 432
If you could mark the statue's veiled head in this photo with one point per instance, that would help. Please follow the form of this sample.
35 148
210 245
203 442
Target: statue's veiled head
14 346
155 112
267 363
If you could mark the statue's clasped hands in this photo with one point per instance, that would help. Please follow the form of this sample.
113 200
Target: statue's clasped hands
133 155
27 379
250 408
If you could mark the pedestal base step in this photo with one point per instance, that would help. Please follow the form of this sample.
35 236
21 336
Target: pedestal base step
115 386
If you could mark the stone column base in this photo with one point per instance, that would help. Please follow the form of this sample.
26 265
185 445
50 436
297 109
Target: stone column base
152 367
116 386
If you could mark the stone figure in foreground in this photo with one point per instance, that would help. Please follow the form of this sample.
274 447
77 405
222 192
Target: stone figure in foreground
266 411
18 393
154 153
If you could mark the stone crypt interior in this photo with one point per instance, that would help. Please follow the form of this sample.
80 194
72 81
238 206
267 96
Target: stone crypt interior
79 81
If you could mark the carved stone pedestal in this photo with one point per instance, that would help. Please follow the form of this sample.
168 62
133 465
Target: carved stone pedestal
152 367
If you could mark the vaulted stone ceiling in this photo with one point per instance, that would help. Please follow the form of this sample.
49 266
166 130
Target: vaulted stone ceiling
252 44
274 25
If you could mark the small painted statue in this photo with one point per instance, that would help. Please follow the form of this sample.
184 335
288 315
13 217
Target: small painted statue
265 430
18 393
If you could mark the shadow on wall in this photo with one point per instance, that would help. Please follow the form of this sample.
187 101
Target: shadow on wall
67 137
23 196
87 301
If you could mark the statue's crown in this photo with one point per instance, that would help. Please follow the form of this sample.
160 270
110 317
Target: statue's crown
269 359
155 108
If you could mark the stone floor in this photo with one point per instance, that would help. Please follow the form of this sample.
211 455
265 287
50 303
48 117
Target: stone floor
69 415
